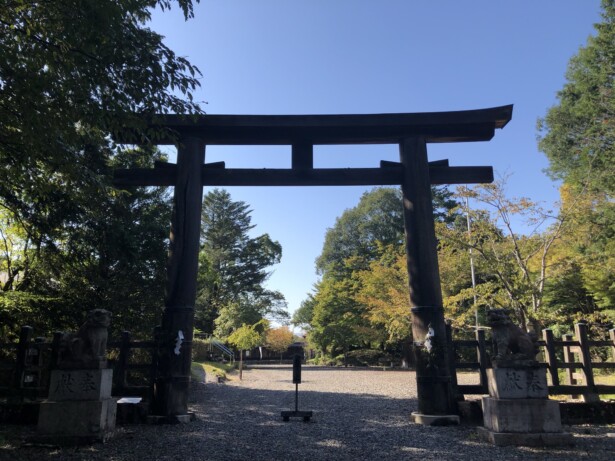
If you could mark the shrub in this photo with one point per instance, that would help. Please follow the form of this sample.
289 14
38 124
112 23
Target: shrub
367 357
200 350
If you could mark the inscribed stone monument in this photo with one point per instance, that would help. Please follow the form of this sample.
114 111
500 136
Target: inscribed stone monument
80 408
518 410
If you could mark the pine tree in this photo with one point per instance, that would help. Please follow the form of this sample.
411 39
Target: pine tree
578 138
233 267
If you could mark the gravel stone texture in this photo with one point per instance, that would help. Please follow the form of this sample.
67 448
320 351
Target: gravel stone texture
359 414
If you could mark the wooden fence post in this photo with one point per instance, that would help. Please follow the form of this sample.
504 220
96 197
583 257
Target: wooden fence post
612 336
55 350
452 361
569 358
122 361
154 366
38 368
551 358
25 336
590 395
481 354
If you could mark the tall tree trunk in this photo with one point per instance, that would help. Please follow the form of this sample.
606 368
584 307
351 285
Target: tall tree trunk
240 364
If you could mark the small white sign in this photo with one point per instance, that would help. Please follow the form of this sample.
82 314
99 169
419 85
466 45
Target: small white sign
178 341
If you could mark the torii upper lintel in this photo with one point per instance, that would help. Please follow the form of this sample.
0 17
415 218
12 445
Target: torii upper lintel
435 127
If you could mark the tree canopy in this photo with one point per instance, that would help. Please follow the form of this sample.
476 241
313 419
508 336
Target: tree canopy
578 133
279 339
578 137
113 257
71 73
377 221
351 306
234 268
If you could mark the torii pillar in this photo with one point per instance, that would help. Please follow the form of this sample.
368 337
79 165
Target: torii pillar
175 335
433 371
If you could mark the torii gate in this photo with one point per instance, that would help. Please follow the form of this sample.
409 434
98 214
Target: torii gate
411 131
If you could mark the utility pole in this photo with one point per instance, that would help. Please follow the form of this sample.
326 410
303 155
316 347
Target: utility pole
472 261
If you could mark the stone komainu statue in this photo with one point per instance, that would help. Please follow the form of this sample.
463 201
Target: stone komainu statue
87 347
510 340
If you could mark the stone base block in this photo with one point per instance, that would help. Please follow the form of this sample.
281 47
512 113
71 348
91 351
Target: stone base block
545 439
518 383
90 420
434 420
80 385
521 415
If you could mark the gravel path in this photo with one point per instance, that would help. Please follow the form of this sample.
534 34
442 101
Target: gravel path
358 415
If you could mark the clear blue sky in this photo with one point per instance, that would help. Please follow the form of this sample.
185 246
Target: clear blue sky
375 56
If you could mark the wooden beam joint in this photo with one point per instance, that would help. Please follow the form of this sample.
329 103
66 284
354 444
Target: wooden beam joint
302 156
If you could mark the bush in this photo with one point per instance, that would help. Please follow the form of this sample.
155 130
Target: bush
367 357
44 314
200 350
322 361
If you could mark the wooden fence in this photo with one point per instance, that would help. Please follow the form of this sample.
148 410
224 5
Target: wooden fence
569 354
25 366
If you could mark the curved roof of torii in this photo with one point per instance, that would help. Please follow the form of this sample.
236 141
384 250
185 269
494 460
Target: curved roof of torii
436 127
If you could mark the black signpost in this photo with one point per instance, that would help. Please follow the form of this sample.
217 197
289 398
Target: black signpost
306 415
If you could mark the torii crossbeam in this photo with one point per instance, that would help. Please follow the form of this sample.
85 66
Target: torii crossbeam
411 131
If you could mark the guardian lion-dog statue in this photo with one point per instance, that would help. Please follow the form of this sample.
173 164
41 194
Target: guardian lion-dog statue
512 342
87 347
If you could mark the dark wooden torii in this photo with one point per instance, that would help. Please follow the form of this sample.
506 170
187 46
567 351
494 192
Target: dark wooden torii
411 131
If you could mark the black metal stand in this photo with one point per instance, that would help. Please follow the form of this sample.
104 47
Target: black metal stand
306 415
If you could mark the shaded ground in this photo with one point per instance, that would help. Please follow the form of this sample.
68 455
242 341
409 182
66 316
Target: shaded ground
358 415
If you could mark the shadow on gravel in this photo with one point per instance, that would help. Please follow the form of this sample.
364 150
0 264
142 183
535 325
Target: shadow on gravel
243 423
346 427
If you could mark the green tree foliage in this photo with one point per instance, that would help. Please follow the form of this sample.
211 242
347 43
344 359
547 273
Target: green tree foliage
512 269
15 251
578 138
349 309
233 268
577 134
112 258
71 74
302 317
68 70
247 337
377 218
384 293
337 321
376 222
116 257
584 284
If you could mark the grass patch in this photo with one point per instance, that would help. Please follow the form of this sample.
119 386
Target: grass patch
221 370
606 379
197 372
599 378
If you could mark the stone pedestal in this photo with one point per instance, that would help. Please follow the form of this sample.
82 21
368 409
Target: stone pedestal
79 408
518 383
518 410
